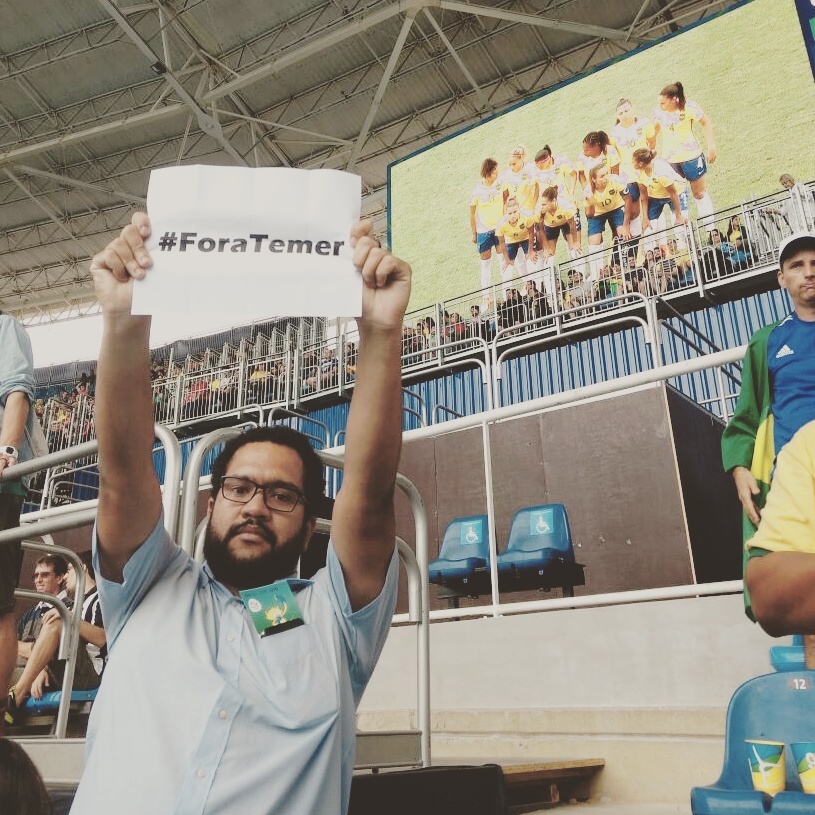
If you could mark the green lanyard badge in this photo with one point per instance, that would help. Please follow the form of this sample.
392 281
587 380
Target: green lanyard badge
273 608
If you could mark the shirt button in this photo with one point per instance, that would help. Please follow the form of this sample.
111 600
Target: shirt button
201 773
230 638
222 714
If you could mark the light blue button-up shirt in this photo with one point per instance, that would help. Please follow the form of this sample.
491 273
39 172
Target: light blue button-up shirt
197 714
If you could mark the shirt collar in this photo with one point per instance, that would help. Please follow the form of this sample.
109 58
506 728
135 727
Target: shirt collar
296 584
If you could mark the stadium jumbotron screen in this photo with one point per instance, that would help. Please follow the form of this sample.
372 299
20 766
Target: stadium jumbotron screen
747 71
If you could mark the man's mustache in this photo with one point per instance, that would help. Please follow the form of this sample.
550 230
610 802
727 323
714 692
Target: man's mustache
267 534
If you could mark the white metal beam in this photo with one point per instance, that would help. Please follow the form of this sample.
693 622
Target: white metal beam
482 98
83 185
380 91
318 45
53 216
537 20
207 123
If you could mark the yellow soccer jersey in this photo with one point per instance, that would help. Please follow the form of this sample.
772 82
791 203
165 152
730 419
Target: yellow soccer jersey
517 232
489 205
610 198
662 178
678 141
565 211
520 185
585 164
629 139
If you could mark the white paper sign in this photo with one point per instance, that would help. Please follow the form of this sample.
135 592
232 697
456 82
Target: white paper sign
251 242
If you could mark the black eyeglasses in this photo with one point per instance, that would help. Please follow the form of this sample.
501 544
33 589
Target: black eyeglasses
275 497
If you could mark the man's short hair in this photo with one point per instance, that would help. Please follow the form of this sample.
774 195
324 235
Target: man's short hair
86 556
313 480
56 562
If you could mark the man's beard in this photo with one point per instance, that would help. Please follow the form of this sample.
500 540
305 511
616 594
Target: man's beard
276 562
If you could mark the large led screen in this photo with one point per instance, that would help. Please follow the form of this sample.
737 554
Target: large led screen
748 71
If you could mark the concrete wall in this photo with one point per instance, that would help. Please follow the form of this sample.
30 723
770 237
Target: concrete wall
643 686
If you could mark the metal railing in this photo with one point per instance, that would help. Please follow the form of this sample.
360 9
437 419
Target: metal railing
45 523
283 367
666 373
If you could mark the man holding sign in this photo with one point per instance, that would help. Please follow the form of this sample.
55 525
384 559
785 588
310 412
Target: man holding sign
232 687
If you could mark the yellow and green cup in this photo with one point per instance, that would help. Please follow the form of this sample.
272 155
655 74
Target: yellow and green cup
804 754
766 760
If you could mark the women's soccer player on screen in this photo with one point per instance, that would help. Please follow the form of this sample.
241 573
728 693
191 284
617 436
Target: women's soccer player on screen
630 133
486 209
660 185
597 149
558 215
674 118
604 202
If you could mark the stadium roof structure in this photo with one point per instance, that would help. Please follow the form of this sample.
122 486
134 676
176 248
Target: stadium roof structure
96 93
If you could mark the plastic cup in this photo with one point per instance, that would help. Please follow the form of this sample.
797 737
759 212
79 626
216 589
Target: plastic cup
766 760
804 754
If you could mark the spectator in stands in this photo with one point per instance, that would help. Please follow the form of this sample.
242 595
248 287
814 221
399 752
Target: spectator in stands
326 375
736 255
22 791
350 356
17 424
799 208
194 403
611 277
457 329
578 293
511 312
280 706
634 275
778 384
82 385
737 237
714 262
656 273
481 325
260 385
43 671
535 302
412 342
681 257
429 337
49 578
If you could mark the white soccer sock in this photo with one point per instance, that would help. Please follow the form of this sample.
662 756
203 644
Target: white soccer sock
704 209
636 227
486 273
595 264
520 263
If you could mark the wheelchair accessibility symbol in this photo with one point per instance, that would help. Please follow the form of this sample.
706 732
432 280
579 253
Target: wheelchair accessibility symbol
471 536
542 522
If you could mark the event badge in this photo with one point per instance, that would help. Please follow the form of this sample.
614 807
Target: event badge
273 608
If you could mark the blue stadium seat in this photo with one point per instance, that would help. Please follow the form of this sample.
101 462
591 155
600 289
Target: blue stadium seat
50 701
539 553
775 707
463 561
789 657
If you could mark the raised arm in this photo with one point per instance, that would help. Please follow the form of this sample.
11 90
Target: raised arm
129 495
364 525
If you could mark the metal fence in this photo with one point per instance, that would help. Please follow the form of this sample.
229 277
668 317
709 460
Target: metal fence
307 363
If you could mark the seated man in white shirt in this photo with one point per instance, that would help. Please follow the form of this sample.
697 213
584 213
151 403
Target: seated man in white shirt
43 672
